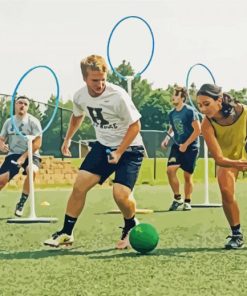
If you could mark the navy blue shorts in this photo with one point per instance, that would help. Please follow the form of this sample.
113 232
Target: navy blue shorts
186 160
13 169
126 170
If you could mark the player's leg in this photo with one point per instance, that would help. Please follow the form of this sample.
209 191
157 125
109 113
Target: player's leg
91 171
84 182
127 205
8 170
188 164
124 199
174 183
227 181
188 189
4 179
19 209
173 164
125 179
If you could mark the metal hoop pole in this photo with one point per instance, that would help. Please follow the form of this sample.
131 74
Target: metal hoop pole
206 183
30 169
129 84
32 218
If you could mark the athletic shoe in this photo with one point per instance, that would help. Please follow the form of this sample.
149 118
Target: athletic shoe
59 239
19 209
175 204
187 207
124 243
235 242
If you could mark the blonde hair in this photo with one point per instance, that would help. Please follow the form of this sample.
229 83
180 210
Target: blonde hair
94 63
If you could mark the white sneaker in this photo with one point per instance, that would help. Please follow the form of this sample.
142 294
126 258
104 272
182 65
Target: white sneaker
176 204
57 240
235 241
187 207
19 209
124 243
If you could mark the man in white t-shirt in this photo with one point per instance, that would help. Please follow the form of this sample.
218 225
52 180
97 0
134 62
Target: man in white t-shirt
117 125
16 147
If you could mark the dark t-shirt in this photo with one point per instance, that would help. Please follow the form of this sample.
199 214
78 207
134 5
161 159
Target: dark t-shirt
181 122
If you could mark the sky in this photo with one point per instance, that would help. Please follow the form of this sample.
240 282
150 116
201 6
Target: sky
59 33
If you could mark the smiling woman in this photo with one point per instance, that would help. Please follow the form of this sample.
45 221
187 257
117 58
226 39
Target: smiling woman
224 130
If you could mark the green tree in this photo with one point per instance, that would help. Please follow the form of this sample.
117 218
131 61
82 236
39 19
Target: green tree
141 89
4 110
155 111
240 95
86 130
35 109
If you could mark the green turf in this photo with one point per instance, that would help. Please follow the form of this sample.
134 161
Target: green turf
189 259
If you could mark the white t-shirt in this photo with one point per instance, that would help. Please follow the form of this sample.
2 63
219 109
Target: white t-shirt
29 125
111 114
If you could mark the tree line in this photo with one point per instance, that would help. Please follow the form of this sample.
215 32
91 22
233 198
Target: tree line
153 104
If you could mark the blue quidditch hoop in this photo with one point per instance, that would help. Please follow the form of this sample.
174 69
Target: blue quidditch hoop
15 92
187 81
109 42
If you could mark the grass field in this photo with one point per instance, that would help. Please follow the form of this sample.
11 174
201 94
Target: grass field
189 259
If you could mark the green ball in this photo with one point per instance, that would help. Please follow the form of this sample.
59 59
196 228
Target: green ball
143 238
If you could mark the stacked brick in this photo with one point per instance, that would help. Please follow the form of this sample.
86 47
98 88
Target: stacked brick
53 171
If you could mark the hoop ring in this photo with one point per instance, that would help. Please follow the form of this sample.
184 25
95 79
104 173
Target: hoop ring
188 77
15 92
109 42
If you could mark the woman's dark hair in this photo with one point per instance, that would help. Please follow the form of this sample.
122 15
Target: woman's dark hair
215 92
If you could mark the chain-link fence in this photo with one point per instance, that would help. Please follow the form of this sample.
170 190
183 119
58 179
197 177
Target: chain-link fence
152 140
53 137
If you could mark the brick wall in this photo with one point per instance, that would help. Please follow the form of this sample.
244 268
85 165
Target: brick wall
53 171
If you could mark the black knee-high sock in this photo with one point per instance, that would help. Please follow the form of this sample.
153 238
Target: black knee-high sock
69 223
129 223
23 198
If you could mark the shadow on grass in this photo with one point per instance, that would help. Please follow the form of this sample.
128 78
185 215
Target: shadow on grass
5 218
155 211
5 255
166 211
170 252
186 253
